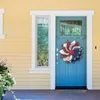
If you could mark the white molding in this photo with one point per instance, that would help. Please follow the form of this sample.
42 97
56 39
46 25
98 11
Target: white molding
89 52
62 12
2 36
53 46
37 69
2 11
88 14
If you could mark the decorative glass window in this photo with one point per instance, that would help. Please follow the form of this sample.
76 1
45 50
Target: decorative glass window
42 41
71 27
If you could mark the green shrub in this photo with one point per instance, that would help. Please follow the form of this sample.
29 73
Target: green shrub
6 79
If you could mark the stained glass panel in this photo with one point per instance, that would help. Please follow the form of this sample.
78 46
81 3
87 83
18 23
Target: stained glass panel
42 41
71 27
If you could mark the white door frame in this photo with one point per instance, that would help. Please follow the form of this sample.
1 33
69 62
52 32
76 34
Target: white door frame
88 14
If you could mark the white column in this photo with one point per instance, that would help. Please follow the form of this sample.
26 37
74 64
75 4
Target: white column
89 52
52 56
33 42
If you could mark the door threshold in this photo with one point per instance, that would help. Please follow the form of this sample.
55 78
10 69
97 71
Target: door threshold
71 87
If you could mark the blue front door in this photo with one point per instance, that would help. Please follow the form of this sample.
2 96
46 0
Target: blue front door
70 71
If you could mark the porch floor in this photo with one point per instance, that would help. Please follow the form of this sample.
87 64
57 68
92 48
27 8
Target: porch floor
54 95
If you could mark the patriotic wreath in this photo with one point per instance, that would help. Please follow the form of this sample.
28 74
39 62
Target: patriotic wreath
71 52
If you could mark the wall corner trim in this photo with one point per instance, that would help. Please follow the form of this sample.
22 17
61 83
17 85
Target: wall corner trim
2 11
2 36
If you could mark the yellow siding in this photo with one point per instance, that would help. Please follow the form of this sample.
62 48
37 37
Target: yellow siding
17 44
20 66
96 68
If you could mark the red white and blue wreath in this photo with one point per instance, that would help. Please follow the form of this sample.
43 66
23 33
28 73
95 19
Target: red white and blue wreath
71 52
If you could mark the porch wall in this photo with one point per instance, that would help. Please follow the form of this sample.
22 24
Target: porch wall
17 44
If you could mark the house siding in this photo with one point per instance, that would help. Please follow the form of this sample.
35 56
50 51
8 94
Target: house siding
17 47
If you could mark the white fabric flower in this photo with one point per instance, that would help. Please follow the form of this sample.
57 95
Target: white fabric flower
0 77
14 81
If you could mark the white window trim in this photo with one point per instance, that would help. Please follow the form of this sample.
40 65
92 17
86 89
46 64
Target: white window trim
37 69
88 14
2 35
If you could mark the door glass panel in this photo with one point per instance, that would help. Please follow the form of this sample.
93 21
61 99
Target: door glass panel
42 41
71 27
